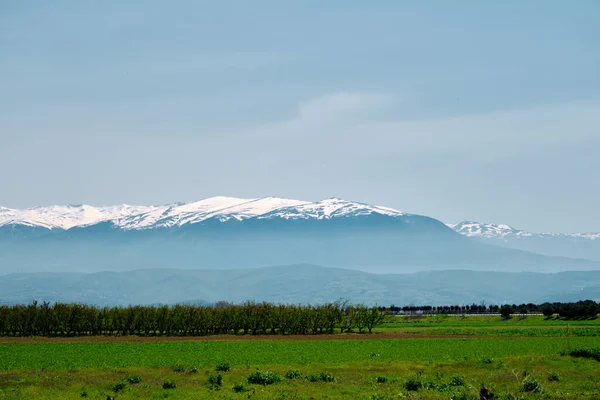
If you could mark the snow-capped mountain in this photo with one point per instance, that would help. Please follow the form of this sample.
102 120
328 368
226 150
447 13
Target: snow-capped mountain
575 245
491 231
228 232
221 208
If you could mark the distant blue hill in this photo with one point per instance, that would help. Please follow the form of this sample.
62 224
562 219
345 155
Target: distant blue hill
299 284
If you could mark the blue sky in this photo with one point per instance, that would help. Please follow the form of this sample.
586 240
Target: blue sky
485 111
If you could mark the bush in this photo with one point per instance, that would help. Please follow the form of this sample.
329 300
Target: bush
194 370
169 385
215 381
381 379
506 311
457 381
488 360
326 377
531 385
263 378
293 374
240 387
134 379
119 386
223 367
413 384
179 368
586 353
320 376
548 311
553 377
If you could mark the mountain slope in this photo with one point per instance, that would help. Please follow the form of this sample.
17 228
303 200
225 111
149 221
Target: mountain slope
225 232
574 245
299 284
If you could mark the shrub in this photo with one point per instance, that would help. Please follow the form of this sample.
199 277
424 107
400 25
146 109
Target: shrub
240 387
83 394
413 384
457 381
506 311
215 381
326 377
223 367
194 370
586 353
548 311
263 378
293 374
381 379
119 386
320 376
134 379
179 368
553 377
488 360
169 385
531 385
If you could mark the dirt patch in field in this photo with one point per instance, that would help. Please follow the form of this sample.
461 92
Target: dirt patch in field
348 336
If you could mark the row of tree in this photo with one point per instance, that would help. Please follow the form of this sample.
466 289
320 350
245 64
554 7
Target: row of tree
580 309
461 309
60 319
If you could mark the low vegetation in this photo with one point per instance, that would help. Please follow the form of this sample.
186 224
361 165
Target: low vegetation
528 358
263 378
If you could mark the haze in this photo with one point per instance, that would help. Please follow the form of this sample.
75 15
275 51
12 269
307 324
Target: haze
485 111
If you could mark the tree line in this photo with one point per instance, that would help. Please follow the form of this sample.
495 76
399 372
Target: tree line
579 309
61 319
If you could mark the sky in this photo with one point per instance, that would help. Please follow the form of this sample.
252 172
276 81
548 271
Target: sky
459 110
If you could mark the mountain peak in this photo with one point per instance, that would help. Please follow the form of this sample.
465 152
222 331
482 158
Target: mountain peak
503 231
222 208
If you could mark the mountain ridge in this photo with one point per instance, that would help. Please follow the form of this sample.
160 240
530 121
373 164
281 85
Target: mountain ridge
572 245
490 230
301 283
131 217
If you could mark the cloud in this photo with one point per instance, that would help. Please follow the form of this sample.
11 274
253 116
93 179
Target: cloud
351 125
343 106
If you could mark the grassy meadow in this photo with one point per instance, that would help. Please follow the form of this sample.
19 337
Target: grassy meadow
431 358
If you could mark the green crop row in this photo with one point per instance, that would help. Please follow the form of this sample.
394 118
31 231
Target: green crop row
261 352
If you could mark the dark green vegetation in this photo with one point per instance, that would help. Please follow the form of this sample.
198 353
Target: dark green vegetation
257 318
587 353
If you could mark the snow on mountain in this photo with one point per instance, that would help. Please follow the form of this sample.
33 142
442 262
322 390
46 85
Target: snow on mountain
222 208
329 208
65 217
500 231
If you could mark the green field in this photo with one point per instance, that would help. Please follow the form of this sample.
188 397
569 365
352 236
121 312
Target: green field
370 367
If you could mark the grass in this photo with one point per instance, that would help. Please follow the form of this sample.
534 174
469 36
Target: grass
484 321
580 379
207 354
519 362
